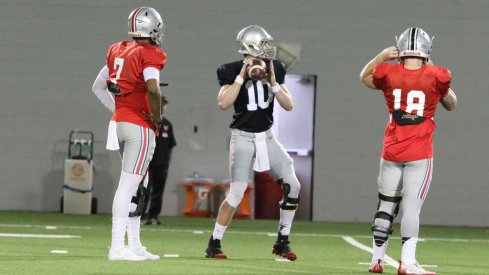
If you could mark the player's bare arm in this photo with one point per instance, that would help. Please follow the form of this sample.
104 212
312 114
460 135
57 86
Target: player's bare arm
284 98
154 99
281 92
228 93
387 54
449 102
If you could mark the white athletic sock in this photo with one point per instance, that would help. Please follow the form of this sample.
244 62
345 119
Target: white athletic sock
408 255
218 231
379 251
118 232
133 232
128 186
286 218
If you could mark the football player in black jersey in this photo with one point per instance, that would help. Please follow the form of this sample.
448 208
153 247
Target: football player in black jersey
253 145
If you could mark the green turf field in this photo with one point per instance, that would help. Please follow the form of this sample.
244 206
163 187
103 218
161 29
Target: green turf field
28 239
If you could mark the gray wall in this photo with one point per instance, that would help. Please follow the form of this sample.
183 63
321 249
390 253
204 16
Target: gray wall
51 51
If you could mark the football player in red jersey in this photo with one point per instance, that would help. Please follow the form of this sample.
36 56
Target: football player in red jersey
253 145
412 90
131 75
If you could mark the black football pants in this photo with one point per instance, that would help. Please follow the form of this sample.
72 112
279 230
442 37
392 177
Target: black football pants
156 185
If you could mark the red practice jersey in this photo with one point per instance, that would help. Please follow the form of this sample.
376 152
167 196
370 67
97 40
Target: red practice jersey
415 92
126 61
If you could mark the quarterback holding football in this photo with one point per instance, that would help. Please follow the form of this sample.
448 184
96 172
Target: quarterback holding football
251 86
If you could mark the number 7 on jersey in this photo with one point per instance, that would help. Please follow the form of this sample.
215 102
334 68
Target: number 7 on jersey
118 64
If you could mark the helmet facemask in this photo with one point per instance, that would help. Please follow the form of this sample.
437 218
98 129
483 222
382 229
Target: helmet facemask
260 50
158 34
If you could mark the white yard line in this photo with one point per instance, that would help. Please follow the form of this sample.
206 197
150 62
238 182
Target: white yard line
47 236
59 251
457 240
282 260
272 234
48 226
388 260
171 255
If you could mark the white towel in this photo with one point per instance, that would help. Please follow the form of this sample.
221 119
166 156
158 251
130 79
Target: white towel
262 163
112 139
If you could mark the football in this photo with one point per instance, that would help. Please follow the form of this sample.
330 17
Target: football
257 69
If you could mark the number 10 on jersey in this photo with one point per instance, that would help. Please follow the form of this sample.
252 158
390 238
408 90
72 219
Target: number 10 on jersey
253 103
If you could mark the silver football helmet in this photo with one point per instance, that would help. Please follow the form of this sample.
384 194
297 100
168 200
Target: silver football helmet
146 22
414 42
254 40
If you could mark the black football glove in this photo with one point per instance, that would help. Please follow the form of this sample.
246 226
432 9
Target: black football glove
114 88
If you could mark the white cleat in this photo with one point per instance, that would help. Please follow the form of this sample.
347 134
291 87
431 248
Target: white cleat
124 254
414 269
145 253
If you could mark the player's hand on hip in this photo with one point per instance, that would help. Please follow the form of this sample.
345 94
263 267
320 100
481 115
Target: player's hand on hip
155 120
390 53
114 88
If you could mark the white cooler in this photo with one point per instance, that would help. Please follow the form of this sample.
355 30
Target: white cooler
77 195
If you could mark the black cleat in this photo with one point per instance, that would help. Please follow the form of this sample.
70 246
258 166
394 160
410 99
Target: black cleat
214 249
151 221
282 248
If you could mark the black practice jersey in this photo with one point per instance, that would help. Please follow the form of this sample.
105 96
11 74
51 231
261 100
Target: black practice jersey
253 108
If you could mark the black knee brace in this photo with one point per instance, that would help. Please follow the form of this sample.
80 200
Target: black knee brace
386 216
287 202
139 201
